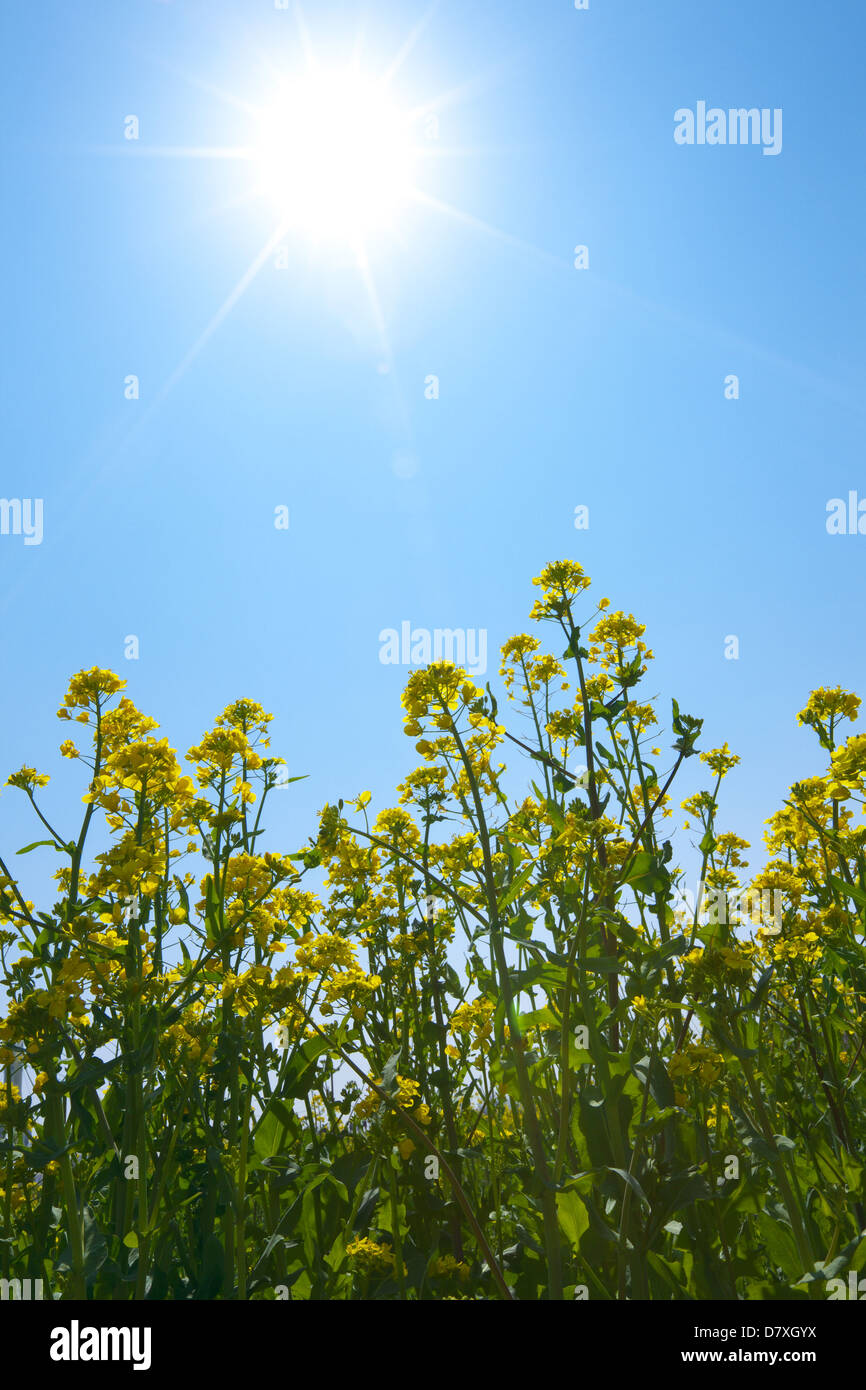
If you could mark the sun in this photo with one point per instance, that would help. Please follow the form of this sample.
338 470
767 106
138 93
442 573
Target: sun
335 156
336 161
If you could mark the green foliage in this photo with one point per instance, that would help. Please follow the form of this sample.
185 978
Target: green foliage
495 1052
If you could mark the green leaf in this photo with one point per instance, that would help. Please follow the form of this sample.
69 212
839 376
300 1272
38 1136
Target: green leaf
184 898
602 965
212 1269
760 992
451 980
389 1074
557 819
633 1184
541 973
302 1068
660 1084
851 1257
780 1244
708 842
640 865
850 890
671 1274
95 1245
514 888
688 730
658 1122
573 1216
729 1045
270 1133
647 874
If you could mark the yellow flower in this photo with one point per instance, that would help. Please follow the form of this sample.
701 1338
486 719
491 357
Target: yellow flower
446 1267
27 779
87 689
698 1061
720 760
734 960
514 652
848 767
615 635
370 1256
473 1021
559 582
824 706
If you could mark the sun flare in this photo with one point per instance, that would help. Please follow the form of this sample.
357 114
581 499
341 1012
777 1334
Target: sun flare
331 157
335 156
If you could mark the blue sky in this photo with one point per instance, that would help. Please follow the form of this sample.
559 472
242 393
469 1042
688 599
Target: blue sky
558 386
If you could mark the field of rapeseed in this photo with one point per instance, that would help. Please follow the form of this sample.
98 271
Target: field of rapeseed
473 1045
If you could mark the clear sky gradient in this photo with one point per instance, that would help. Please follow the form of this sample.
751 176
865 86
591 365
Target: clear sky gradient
558 387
